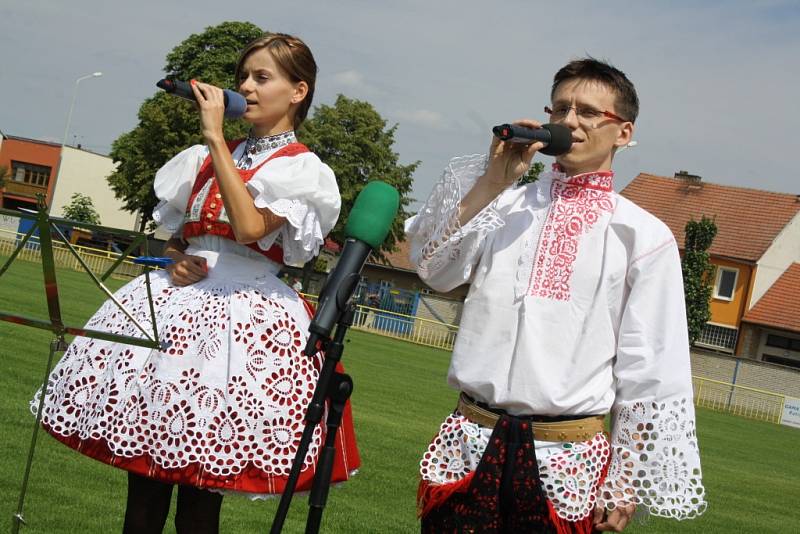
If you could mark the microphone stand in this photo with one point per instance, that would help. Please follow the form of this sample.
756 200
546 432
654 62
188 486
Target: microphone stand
336 387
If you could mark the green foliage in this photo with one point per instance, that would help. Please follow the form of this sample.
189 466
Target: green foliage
168 125
211 56
353 139
321 264
533 173
81 209
698 274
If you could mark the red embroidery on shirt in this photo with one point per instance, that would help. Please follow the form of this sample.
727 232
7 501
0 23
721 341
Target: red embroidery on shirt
578 202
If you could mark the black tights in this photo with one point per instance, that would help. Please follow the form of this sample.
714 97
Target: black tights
148 506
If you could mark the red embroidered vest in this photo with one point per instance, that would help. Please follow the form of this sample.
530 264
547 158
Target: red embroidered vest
205 212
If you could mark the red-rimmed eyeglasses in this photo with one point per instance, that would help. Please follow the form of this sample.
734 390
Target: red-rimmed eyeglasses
583 112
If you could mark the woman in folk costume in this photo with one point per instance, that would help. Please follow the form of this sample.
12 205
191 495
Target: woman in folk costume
575 310
221 408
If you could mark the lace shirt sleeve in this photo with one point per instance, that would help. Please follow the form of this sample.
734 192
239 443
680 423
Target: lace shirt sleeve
303 190
655 459
444 252
173 187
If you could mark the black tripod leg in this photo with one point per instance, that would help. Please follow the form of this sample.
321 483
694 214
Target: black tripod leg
316 408
339 391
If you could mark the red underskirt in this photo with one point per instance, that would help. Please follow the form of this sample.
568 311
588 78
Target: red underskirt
249 480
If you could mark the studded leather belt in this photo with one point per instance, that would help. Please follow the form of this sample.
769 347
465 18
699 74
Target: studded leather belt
573 430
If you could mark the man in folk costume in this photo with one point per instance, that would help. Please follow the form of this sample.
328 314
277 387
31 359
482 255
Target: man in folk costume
575 310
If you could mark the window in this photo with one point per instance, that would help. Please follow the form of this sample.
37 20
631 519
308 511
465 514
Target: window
726 283
781 349
789 362
28 173
718 337
781 342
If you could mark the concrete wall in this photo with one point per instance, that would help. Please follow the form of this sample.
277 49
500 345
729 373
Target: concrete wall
85 172
759 375
436 308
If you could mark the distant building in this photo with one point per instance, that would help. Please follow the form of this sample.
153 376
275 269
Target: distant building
772 326
33 165
398 272
755 252
394 285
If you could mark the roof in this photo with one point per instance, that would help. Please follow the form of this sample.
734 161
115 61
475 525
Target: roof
331 245
748 220
51 143
397 260
780 305
29 140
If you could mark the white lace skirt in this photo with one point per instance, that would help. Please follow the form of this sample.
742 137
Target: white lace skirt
221 407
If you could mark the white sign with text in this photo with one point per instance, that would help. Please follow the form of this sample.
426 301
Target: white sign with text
9 225
791 412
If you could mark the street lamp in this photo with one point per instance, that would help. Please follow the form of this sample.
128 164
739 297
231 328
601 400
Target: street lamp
66 132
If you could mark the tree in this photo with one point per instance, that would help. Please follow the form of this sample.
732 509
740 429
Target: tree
698 274
167 124
353 139
81 209
533 173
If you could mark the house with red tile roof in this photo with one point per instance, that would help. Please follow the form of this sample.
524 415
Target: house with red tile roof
777 313
397 271
756 252
393 284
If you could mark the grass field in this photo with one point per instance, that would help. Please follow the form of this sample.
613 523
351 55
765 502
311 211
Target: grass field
750 468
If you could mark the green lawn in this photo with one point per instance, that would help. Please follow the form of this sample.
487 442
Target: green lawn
751 473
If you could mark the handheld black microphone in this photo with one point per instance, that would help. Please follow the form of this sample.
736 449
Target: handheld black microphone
367 227
235 104
557 138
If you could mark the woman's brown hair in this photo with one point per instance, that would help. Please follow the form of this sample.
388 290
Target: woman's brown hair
294 58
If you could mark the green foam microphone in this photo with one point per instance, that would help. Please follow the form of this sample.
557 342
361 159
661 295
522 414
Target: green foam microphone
372 214
368 225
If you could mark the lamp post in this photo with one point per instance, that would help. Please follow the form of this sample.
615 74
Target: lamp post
66 132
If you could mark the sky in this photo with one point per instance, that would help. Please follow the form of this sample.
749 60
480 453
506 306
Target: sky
716 79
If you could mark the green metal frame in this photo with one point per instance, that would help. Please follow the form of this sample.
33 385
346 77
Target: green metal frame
47 226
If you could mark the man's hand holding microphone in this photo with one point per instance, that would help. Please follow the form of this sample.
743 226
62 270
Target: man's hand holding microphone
510 153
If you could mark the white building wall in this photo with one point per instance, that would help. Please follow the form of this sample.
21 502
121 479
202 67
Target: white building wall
784 251
86 172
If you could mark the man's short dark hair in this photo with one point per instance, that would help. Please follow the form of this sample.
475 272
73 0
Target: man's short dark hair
590 69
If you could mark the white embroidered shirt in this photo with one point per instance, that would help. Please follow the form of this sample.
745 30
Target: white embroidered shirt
575 307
